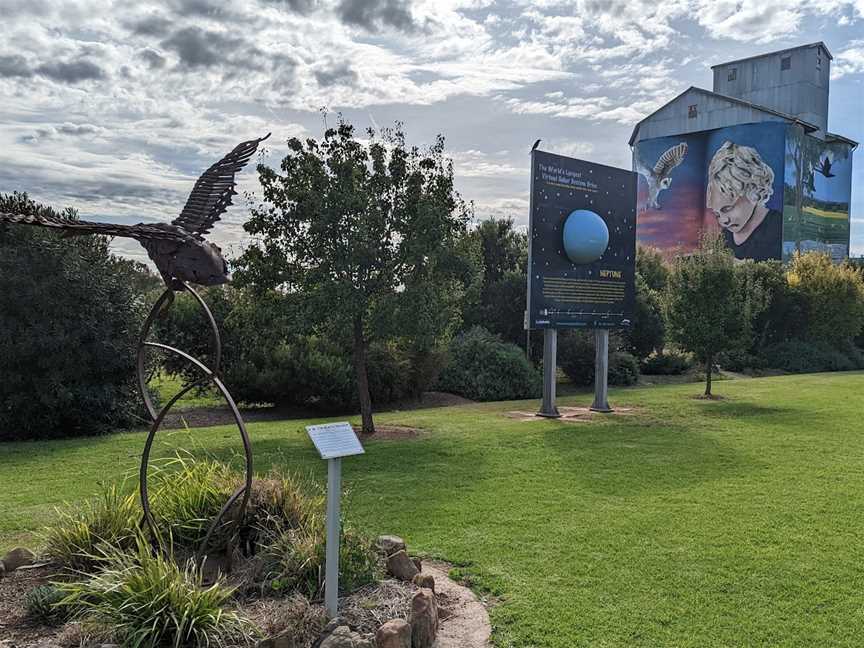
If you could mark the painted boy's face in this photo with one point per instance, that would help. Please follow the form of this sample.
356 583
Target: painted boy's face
732 213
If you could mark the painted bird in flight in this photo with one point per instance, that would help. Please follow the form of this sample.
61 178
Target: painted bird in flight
825 167
178 249
660 177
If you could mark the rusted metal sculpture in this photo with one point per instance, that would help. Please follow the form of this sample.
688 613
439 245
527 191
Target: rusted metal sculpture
182 256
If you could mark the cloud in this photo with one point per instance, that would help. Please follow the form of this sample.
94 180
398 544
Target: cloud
152 58
71 71
849 61
197 47
339 73
374 14
152 25
14 66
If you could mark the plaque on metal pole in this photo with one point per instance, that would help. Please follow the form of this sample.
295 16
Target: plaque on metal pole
333 441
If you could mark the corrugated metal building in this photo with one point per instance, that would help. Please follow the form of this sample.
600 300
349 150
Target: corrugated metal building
752 157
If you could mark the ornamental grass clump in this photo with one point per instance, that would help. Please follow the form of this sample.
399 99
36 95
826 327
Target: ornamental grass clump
151 601
186 496
79 539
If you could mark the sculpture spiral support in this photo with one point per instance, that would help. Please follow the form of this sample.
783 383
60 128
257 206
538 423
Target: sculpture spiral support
208 374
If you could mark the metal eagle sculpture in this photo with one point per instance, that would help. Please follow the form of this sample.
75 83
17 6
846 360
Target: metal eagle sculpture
183 256
178 249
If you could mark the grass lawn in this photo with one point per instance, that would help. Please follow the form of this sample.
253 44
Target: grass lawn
688 523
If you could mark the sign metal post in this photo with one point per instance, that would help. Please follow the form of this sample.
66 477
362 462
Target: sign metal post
333 441
601 371
550 369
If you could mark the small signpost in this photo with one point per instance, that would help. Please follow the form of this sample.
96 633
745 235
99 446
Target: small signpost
333 441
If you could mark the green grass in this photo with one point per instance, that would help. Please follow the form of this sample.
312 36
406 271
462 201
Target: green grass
166 386
688 523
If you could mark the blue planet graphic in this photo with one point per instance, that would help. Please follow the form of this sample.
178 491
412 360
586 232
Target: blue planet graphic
585 236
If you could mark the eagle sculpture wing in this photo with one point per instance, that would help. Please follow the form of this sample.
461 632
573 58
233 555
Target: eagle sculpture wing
73 227
670 159
213 191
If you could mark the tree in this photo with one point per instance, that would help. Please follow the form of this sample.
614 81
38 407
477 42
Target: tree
357 230
70 316
500 304
704 304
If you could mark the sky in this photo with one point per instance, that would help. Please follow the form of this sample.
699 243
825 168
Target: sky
115 107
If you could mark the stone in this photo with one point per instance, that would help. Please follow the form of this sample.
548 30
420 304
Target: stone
390 544
18 557
425 580
399 565
423 619
418 564
394 634
341 637
2 570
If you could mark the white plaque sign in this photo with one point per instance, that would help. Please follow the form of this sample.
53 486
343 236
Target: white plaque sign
334 440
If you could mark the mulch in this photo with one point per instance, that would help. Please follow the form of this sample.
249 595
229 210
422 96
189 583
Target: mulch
14 624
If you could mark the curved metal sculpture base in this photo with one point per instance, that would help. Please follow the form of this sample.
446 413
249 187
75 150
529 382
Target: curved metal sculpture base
208 375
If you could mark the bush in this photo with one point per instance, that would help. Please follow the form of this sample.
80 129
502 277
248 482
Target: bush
623 369
69 321
482 367
44 605
576 359
80 537
796 356
828 297
667 363
576 356
149 601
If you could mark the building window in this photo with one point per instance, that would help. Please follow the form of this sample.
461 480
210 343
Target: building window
786 63
691 112
733 74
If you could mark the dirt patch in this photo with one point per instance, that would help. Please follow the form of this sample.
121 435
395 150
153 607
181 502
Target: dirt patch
14 624
195 417
389 433
712 397
571 414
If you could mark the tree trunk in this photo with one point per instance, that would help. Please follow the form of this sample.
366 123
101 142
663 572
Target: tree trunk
709 366
362 378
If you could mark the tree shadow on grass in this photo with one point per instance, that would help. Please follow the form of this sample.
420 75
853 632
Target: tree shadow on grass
732 408
627 459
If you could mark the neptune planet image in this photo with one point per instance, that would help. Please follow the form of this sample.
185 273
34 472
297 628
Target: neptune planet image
585 236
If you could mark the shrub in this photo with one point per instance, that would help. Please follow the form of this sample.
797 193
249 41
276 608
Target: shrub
482 367
80 537
796 356
576 359
150 601
667 363
43 604
69 320
623 369
829 298
576 356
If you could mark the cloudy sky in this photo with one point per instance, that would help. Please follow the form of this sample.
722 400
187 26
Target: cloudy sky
116 107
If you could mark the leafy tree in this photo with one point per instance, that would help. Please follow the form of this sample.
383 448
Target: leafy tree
704 304
358 230
500 304
653 267
69 319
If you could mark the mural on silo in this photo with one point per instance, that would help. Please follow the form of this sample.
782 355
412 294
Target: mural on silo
817 218
729 179
670 192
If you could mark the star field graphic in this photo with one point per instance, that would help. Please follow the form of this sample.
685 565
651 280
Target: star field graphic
569 199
